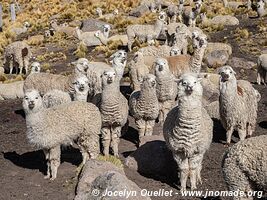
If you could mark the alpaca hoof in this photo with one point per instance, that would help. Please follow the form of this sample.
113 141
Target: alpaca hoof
116 155
47 177
193 188
227 145
183 189
199 181
52 178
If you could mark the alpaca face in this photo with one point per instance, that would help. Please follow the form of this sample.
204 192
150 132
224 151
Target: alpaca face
138 55
149 81
199 41
119 57
175 51
81 65
32 101
106 28
189 84
98 11
81 84
161 66
35 67
108 77
226 73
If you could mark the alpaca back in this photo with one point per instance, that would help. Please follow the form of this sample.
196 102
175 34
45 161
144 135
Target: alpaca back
63 124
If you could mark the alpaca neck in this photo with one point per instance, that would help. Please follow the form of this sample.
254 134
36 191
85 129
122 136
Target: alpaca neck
148 95
79 34
158 27
111 93
225 3
196 60
81 96
103 39
190 112
228 90
106 34
119 68
55 26
100 14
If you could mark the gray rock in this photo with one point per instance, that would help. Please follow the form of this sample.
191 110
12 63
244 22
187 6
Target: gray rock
91 170
113 181
92 25
240 63
216 58
139 11
152 158
210 91
213 110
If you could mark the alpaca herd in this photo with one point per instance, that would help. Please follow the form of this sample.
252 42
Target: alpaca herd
169 86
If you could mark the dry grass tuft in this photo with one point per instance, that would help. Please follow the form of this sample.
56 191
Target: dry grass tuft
112 159
81 51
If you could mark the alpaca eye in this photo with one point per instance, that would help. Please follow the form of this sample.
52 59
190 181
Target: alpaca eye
36 97
195 82
26 98
231 72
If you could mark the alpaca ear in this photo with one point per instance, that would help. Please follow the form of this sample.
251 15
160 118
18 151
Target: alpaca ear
219 70
178 80
233 71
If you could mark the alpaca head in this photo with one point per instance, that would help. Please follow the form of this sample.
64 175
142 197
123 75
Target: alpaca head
35 67
108 77
32 101
149 81
161 66
226 73
189 85
81 65
81 84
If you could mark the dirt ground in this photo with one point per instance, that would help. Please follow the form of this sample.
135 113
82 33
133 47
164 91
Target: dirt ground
22 167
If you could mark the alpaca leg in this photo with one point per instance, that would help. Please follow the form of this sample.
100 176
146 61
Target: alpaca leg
130 43
183 166
26 65
149 127
264 77
195 165
46 153
85 157
229 136
106 138
259 78
199 168
115 139
11 65
54 161
20 62
242 134
250 130
141 125
160 117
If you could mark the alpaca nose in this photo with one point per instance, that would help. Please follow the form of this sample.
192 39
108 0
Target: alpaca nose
31 104
189 88
160 68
